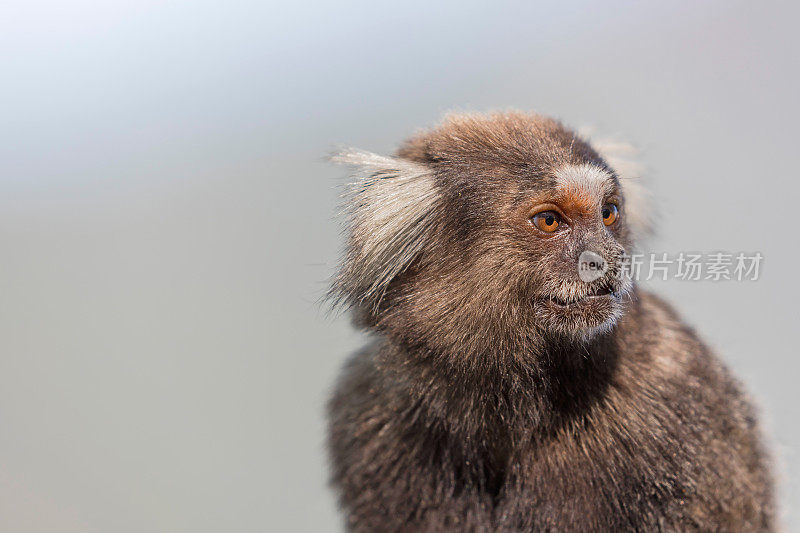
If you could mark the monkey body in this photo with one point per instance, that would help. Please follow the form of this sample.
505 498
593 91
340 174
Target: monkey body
663 441
500 393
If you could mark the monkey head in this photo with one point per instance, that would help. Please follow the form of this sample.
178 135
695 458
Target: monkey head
489 232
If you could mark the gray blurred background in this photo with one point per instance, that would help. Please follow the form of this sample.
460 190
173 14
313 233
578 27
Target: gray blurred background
166 222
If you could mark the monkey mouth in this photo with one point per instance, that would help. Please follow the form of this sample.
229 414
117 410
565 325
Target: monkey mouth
589 311
599 295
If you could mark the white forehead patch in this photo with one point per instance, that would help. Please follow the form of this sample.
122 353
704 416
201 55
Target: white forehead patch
585 180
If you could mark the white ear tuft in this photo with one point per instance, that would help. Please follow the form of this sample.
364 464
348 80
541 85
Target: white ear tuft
638 204
390 208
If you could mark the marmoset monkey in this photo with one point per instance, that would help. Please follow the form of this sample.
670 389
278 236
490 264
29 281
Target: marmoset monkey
503 392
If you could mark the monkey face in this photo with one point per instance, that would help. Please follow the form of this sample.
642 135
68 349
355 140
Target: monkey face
538 246
573 235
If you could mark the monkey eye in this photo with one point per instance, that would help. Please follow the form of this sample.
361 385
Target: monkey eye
547 221
610 214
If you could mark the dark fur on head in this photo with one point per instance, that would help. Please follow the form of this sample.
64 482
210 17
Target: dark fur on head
502 391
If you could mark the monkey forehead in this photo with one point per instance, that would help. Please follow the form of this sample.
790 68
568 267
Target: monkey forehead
584 186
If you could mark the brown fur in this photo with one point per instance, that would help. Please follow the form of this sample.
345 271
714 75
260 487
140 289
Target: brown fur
501 392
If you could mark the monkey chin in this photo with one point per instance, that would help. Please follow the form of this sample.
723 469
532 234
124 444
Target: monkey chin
579 320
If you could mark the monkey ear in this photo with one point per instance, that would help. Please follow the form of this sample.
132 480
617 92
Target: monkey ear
639 211
389 208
